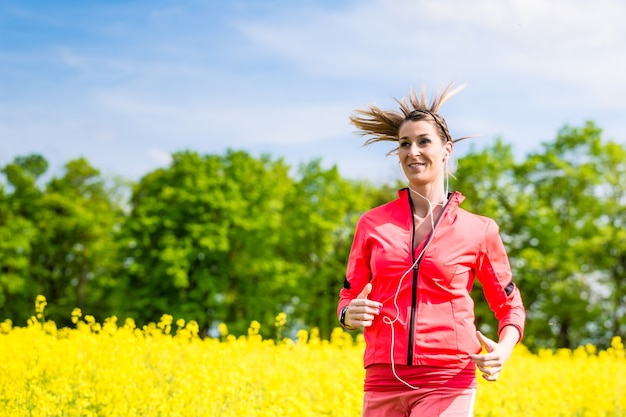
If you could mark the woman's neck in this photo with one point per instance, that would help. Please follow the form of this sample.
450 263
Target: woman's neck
426 200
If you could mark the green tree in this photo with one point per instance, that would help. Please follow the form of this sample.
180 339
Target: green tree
563 211
608 244
16 236
201 237
22 176
18 233
73 256
55 239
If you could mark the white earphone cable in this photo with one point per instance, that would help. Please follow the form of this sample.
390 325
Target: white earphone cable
390 321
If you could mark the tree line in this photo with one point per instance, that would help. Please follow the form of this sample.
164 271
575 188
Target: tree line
233 238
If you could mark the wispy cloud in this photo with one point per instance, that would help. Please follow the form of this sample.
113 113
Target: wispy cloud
159 156
134 78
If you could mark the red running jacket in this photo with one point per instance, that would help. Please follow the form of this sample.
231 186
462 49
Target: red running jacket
427 302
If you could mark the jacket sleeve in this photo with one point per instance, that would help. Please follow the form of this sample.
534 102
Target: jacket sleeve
358 272
494 273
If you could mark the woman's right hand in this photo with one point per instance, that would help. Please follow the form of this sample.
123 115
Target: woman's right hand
362 311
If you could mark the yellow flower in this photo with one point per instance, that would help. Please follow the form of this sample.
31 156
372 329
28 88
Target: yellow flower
281 320
253 331
6 326
255 326
40 305
76 315
166 320
303 337
165 323
108 371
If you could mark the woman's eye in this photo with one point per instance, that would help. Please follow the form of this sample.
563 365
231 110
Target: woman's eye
405 144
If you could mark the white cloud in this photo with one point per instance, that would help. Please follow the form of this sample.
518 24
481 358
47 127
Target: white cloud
386 39
202 119
158 80
159 156
69 57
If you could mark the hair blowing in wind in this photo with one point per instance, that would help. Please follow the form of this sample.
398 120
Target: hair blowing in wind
382 125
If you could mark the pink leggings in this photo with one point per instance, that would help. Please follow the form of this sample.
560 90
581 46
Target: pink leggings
423 402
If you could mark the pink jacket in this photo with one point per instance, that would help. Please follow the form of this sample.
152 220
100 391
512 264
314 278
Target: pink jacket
433 323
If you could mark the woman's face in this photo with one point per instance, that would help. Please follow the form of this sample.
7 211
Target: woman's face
422 153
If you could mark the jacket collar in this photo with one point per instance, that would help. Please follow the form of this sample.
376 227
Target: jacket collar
454 199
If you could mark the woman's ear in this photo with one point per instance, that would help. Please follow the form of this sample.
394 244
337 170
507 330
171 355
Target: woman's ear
447 152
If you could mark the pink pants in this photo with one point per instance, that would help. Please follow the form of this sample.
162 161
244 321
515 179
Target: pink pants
423 402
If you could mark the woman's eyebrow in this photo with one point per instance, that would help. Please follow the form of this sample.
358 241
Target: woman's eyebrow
423 135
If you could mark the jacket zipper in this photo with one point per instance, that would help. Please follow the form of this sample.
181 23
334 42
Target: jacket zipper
413 306
409 360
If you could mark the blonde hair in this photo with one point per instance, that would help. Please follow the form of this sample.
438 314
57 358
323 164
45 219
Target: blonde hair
383 125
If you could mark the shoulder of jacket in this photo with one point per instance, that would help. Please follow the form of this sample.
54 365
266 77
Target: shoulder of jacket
475 220
385 207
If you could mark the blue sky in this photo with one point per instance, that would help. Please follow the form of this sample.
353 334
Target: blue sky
126 83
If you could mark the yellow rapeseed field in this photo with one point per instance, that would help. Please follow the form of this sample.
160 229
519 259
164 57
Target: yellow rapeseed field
166 369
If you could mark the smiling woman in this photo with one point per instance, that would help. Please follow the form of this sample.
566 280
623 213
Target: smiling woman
412 265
